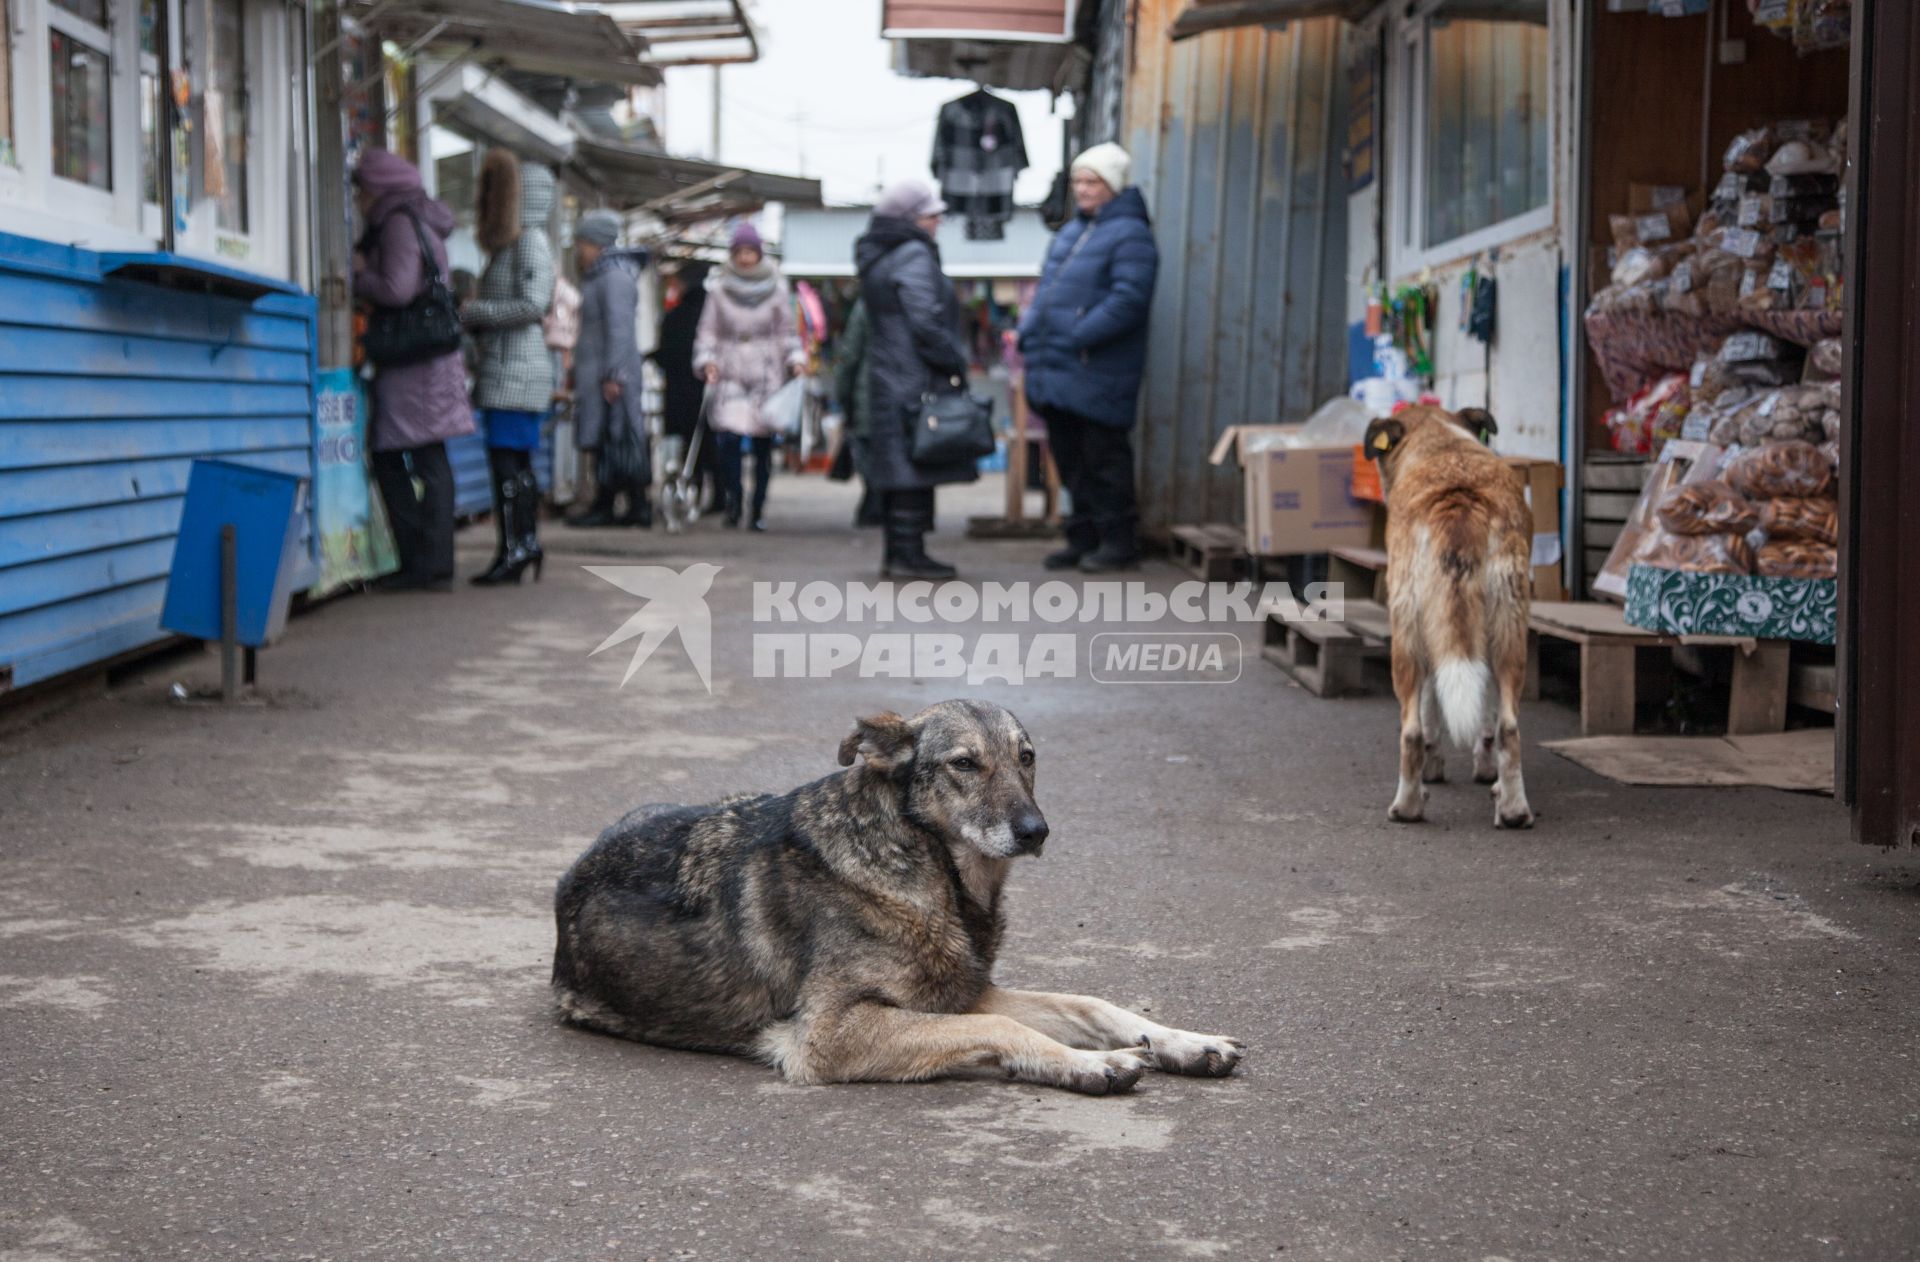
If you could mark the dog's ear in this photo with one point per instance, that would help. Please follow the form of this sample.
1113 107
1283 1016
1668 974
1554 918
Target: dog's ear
1383 436
1479 422
885 740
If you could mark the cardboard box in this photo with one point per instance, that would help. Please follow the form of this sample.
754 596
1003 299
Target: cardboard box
1298 499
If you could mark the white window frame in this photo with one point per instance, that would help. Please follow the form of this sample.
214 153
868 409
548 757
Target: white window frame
36 203
1407 146
116 41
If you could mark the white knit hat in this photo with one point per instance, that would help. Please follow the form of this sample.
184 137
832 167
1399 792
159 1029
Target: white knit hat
1109 161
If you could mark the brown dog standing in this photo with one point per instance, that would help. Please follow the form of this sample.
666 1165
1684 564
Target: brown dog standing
1459 543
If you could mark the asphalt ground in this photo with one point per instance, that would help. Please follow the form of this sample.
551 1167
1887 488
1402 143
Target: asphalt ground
273 978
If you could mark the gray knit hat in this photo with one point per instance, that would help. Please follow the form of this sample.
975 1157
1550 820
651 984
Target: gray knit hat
598 227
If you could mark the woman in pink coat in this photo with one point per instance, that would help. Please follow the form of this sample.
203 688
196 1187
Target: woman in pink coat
747 347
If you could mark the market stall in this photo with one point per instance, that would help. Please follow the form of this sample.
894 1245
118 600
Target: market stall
1715 335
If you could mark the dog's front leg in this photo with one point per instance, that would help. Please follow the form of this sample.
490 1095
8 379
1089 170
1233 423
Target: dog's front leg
1083 1021
871 1042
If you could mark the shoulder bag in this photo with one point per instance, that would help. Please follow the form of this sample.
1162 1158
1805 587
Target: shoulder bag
951 425
426 328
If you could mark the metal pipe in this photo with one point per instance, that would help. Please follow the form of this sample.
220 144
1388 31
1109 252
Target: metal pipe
163 119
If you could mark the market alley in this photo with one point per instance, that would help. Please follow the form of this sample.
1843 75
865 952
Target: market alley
273 978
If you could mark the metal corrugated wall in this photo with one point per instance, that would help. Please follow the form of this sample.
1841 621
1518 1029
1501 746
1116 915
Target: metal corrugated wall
1237 139
108 390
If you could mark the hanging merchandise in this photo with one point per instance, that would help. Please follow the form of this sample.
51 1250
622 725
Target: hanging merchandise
978 152
1410 320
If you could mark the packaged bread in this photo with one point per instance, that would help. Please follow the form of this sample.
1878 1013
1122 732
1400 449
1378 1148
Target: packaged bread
1748 153
1700 554
1777 469
1815 520
1823 360
1795 558
1706 508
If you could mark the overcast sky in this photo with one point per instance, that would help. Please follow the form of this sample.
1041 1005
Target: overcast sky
823 101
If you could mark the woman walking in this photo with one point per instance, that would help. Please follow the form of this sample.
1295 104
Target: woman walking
607 371
416 407
913 340
683 389
515 384
748 345
1085 339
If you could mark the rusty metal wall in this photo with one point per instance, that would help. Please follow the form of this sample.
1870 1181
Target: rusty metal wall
1237 139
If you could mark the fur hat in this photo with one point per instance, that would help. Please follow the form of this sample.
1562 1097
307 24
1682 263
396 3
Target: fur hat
1109 161
909 199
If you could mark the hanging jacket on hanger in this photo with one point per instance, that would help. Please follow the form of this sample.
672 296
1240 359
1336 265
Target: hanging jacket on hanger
978 151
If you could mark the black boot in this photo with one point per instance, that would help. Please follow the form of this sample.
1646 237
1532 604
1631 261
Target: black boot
531 553
639 507
869 513
518 501
1118 549
506 520
730 510
601 513
909 517
1082 539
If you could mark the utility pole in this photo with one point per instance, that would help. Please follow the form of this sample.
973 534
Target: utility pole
716 113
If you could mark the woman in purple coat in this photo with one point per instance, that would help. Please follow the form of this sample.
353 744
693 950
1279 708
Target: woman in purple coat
416 408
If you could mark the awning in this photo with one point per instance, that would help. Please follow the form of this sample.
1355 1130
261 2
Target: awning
680 190
577 40
1220 15
487 110
688 32
177 271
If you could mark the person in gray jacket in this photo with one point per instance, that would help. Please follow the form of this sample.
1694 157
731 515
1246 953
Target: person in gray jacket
515 386
914 322
607 370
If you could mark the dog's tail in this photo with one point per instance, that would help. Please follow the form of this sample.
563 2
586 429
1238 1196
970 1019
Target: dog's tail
1461 686
1455 628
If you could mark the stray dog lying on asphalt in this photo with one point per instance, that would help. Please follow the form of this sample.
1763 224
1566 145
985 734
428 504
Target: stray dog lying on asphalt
846 931
1459 544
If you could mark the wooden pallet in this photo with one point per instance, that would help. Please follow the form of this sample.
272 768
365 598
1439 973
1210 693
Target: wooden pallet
1212 553
1363 572
1609 682
1327 658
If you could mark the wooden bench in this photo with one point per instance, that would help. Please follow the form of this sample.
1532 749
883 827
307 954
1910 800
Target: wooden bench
1608 674
1211 553
1328 658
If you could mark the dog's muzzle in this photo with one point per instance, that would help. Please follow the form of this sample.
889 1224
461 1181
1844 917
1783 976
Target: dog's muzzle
1029 834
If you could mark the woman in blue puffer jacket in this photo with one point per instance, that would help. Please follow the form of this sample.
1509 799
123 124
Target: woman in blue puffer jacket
1085 341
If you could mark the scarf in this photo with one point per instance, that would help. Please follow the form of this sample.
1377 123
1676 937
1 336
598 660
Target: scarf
751 287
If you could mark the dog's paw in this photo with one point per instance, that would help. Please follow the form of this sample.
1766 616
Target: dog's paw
1522 818
1201 1055
1408 808
1106 1073
1434 770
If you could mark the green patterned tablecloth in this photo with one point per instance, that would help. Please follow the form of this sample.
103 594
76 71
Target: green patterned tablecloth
1679 602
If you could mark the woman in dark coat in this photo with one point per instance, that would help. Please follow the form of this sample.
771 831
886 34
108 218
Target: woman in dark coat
914 321
1085 339
416 407
684 389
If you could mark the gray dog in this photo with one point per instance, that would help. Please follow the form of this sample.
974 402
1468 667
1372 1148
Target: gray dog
846 931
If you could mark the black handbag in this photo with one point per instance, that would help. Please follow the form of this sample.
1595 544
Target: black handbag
426 328
951 425
623 448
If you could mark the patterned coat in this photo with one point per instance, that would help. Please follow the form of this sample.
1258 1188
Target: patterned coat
516 371
754 344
